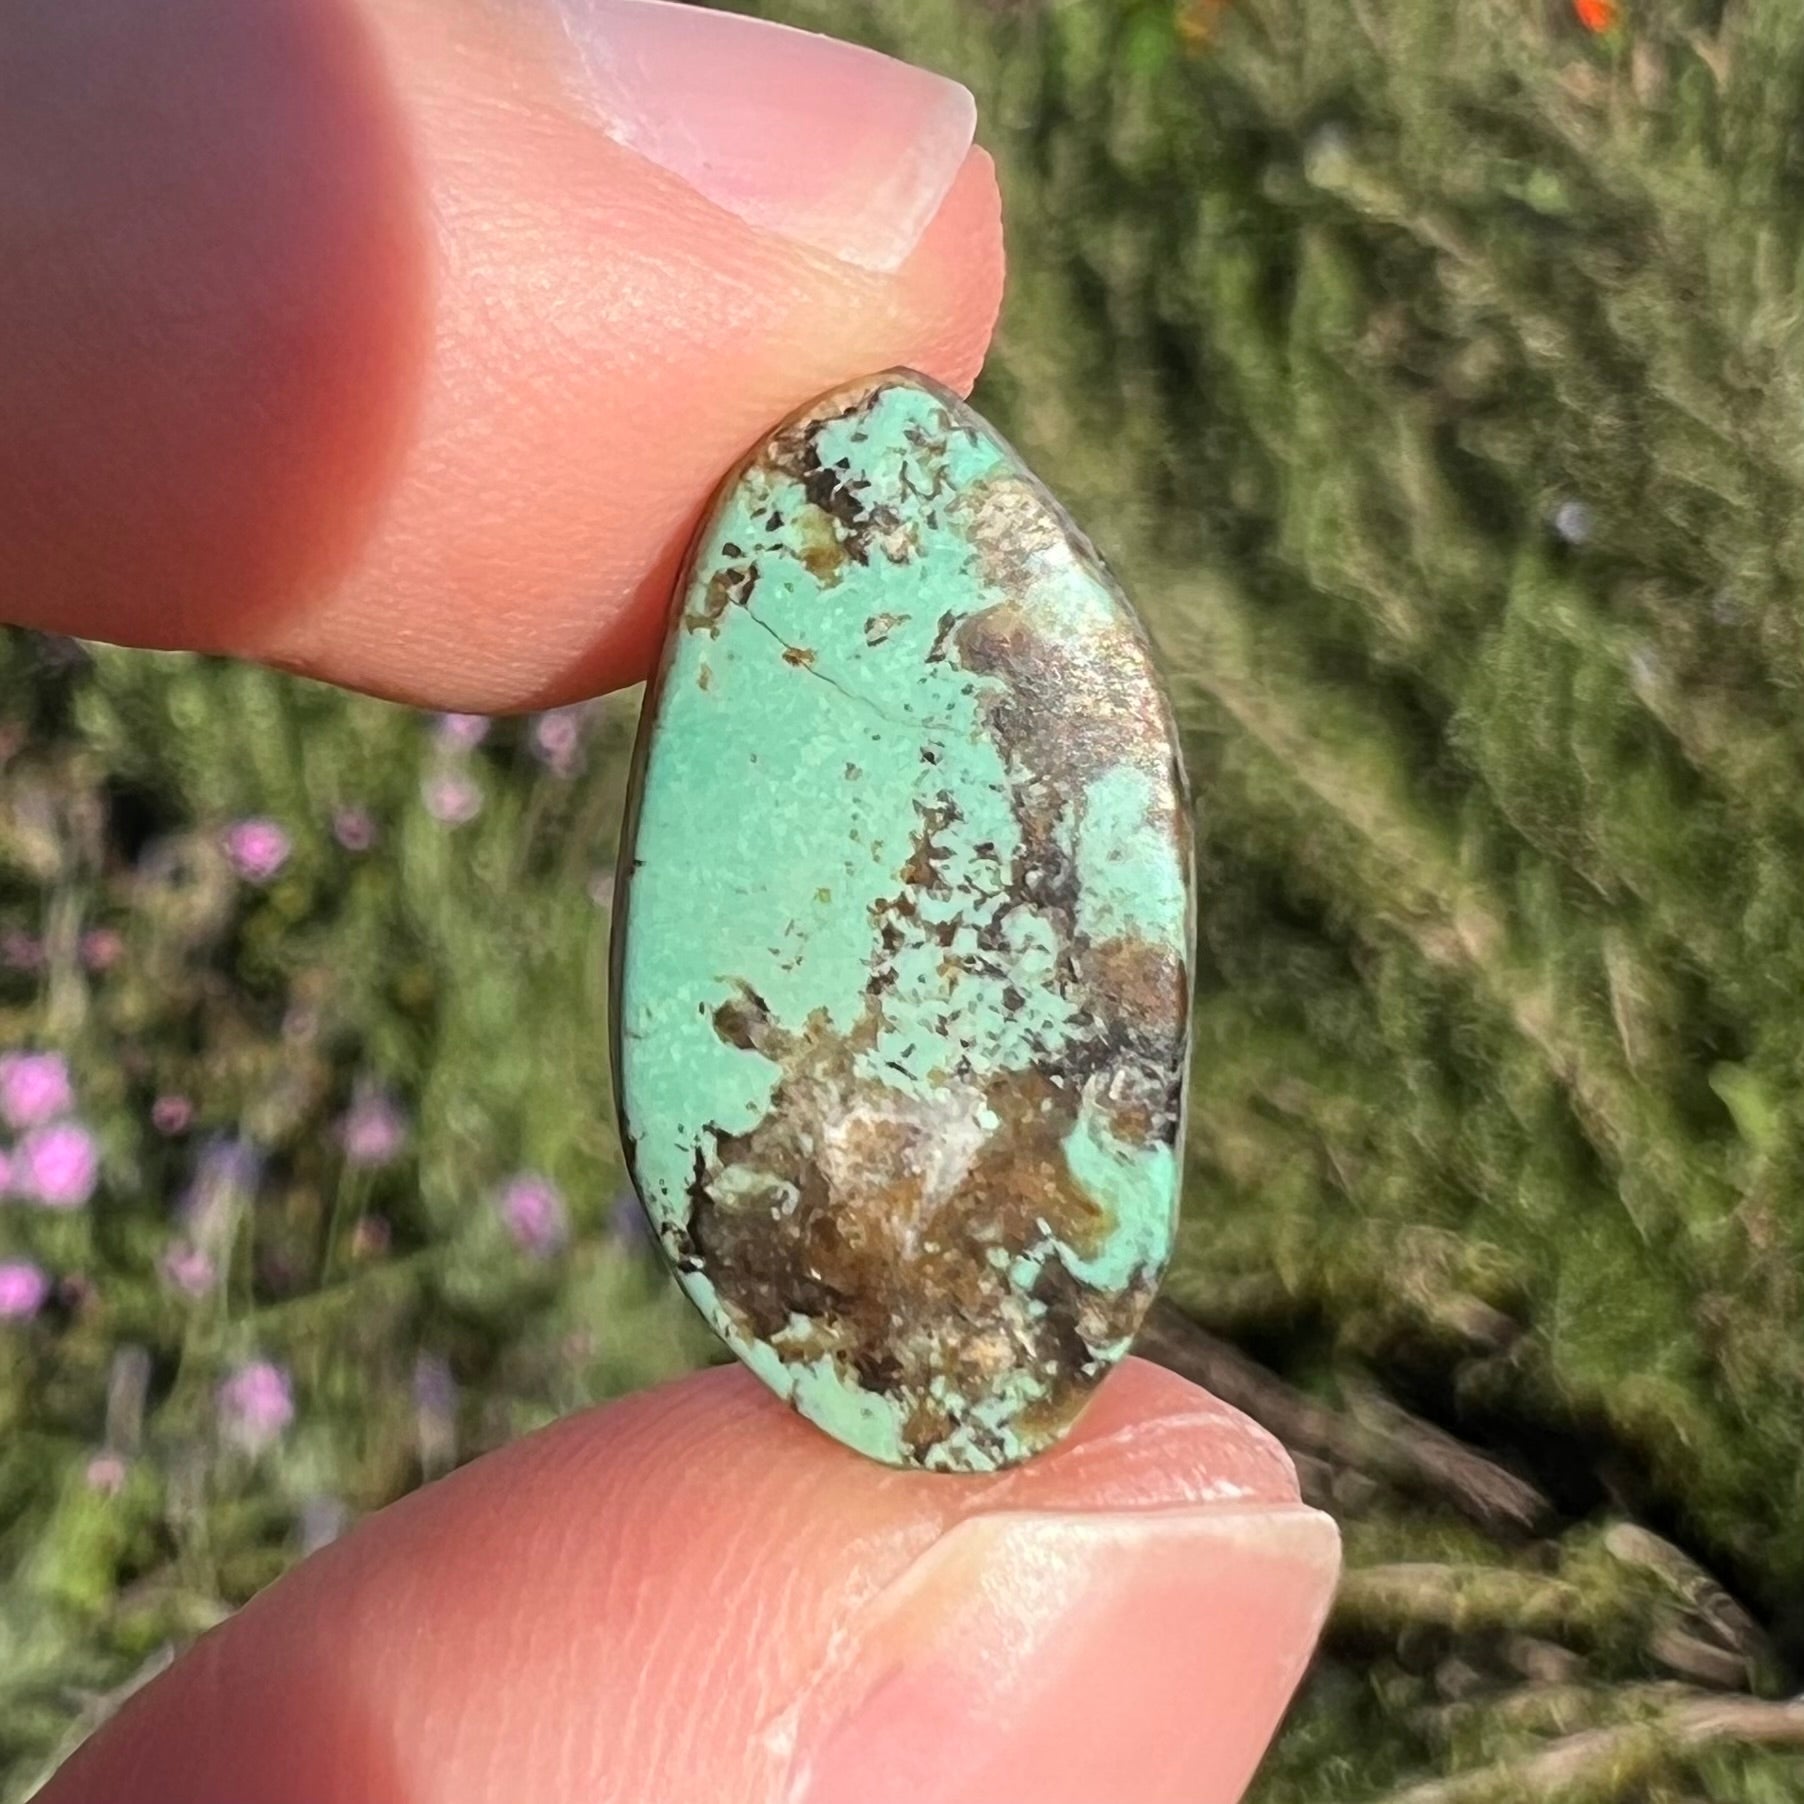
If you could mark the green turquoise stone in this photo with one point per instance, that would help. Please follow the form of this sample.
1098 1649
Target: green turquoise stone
902 950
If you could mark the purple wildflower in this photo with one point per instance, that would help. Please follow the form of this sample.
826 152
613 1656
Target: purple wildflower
451 798
23 1289
557 740
106 1474
102 948
373 1131
300 1024
370 1238
257 848
354 829
532 1208
464 731
171 1114
255 1405
188 1269
21 951
57 1165
34 1088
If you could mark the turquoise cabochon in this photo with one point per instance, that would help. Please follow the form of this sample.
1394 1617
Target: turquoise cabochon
903 938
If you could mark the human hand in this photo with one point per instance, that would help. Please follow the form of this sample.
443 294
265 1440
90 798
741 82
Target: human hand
342 334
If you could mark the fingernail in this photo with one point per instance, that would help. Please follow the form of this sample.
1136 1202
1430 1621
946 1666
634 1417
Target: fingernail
1072 1658
837 147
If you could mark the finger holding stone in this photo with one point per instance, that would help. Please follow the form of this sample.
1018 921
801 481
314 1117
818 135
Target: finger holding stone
695 1595
401 342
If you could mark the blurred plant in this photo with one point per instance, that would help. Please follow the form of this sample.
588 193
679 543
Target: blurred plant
373 1131
267 1141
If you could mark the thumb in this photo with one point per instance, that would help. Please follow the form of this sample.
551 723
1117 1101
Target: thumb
692 1595
401 341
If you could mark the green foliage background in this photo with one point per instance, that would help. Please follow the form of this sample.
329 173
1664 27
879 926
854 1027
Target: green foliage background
1430 370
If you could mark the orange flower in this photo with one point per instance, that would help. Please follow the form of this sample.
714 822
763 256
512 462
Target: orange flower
1596 15
1197 20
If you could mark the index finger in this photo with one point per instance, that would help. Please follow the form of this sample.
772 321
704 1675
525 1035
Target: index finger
400 342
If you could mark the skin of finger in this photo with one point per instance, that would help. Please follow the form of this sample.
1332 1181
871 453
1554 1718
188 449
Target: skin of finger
1092 1660
215 307
633 1604
526 355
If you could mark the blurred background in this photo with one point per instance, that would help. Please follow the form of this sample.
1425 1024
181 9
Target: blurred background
1430 370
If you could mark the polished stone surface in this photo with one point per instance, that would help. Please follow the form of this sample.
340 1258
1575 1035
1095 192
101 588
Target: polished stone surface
903 945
